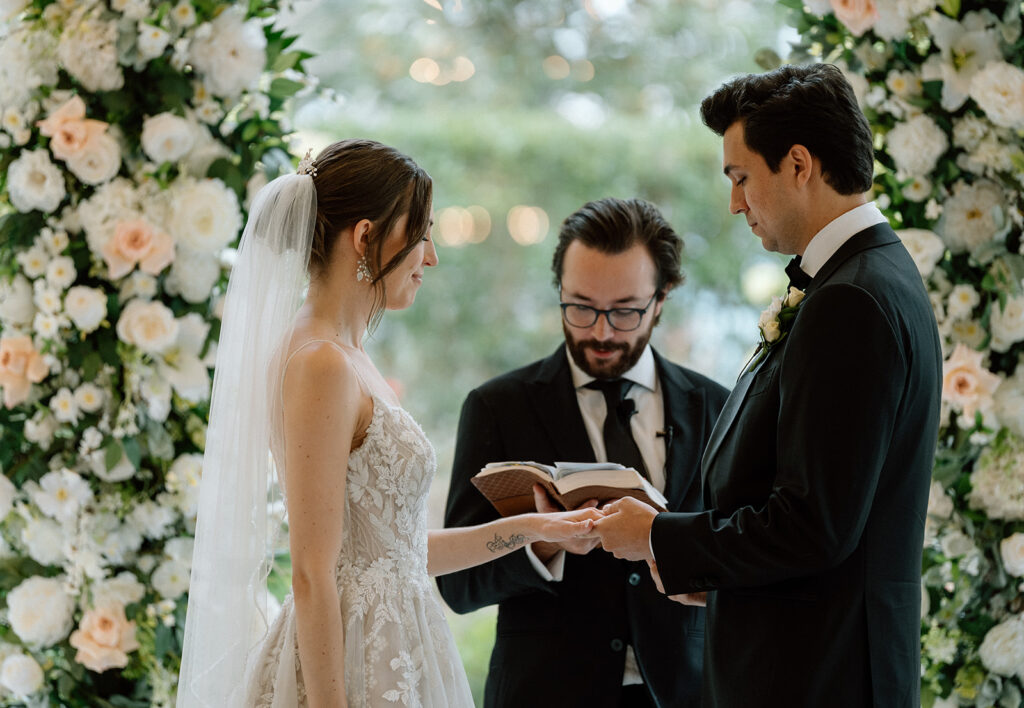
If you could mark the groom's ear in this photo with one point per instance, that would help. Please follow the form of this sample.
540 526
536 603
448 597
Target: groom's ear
361 236
803 163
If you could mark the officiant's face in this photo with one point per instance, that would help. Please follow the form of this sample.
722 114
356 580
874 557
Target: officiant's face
607 281
763 197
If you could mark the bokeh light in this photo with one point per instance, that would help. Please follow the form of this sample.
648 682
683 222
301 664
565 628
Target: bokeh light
424 70
556 67
527 225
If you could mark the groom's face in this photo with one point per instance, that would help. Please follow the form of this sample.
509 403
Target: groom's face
609 281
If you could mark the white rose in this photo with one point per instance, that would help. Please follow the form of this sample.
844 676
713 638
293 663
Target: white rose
171 579
16 307
87 307
1012 551
124 589
40 612
998 89
193 275
1002 650
21 675
916 145
229 52
98 161
7 494
152 41
148 325
44 541
34 182
924 246
1007 323
204 214
167 137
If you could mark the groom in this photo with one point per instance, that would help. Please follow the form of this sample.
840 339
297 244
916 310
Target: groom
817 473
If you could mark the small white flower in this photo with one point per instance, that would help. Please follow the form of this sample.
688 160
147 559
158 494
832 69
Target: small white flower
152 41
153 520
44 540
46 326
60 272
91 440
61 494
183 14
180 549
89 397
64 406
46 299
171 579
167 137
124 589
21 675
140 285
932 210
962 301
123 469
919 189
39 429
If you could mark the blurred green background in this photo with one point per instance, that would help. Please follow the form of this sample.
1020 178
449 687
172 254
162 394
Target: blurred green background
521 111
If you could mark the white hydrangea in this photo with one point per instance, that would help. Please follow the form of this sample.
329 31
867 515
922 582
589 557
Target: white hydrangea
124 589
968 131
997 482
28 60
916 145
229 52
40 611
167 137
193 275
88 50
998 89
204 214
34 182
153 520
972 216
44 540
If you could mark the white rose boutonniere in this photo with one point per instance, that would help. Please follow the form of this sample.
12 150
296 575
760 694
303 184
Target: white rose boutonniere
776 321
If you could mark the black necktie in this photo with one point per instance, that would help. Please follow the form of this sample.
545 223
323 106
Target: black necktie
619 444
797 277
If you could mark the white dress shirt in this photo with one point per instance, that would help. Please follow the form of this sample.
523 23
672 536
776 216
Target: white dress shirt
837 232
647 426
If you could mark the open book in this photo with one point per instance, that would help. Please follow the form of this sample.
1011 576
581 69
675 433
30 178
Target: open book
509 485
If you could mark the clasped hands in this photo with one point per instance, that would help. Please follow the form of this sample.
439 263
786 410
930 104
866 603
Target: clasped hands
623 529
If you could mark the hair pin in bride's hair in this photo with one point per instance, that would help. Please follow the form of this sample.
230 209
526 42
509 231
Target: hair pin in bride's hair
307 165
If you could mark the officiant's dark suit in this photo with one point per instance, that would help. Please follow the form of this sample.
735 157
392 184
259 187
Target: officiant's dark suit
817 473
565 643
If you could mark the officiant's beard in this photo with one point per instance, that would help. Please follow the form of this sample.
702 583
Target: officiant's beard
631 353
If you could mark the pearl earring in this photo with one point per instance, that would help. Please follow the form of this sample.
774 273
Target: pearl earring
363 270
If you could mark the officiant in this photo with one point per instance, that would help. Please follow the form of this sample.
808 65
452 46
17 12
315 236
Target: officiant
575 625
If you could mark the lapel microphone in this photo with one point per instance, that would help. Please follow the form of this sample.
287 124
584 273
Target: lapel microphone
667 434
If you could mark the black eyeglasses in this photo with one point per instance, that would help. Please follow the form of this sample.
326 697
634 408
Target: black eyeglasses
623 319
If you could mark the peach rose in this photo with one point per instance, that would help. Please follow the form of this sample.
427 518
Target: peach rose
858 15
137 242
69 130
20 367
966 384
103 638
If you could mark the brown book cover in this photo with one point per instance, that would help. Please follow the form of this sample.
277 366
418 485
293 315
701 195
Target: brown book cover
509 485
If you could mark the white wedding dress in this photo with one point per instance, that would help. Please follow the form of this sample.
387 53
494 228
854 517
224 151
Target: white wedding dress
399 650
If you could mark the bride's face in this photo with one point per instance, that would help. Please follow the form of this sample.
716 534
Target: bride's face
402 283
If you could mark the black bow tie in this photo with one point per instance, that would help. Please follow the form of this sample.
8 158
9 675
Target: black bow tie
797 277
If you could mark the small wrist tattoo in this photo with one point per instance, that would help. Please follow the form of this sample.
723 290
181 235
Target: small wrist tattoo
499 543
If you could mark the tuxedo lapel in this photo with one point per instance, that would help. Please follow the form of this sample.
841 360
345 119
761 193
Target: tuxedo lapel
684 417
728 414
553 398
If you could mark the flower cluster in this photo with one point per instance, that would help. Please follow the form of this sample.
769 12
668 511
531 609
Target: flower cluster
132 134
942 85
776 321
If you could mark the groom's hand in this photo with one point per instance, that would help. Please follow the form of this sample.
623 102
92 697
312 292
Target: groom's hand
697 599
545 550
625 529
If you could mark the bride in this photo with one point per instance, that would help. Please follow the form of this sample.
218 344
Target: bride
362 625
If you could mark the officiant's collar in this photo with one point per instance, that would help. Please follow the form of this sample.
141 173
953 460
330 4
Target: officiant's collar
644 372
836 233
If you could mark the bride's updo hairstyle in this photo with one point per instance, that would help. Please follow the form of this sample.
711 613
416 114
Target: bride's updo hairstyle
363 179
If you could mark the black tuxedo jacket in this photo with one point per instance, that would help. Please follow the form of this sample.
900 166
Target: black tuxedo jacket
563 643
816 483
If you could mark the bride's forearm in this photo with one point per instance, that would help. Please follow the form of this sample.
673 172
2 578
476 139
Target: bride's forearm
454 549
321 642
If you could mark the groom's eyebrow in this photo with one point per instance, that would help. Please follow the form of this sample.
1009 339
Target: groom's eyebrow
727 169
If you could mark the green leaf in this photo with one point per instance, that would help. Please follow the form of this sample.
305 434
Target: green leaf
284 88
950 7
164 641
112 454
133 451
286 61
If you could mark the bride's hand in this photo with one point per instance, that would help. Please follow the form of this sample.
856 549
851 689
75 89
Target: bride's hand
565 525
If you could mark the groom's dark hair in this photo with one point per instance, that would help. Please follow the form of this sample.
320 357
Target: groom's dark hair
812 105
615 225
